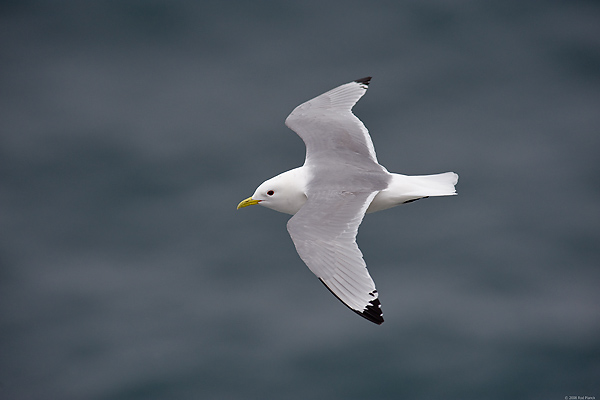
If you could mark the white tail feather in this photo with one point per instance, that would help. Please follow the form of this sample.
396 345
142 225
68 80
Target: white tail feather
404 188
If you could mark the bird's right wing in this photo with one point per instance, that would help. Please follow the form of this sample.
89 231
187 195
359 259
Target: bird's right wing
324 233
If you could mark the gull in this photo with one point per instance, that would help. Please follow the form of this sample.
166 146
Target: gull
340 181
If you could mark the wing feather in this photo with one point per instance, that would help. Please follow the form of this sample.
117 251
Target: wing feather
344 178
331 112
325 238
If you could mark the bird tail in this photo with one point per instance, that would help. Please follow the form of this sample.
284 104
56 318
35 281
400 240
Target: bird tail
431 185
405 189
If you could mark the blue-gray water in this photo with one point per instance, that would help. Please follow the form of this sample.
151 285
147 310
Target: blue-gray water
130 130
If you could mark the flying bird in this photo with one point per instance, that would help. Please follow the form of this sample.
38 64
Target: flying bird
329 195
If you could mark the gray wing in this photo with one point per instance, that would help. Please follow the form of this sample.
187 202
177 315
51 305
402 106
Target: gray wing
324 233
328 127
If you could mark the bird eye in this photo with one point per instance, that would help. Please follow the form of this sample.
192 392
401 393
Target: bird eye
270 193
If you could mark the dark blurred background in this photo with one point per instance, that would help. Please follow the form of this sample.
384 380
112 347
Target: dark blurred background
130 130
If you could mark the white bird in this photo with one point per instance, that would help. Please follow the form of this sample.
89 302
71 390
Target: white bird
329 195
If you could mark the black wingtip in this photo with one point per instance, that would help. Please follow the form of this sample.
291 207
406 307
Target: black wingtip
364 81
372 312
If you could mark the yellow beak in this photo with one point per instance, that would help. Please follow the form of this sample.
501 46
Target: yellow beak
248 202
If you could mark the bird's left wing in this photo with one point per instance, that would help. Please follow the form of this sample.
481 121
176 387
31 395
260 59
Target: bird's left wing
326 123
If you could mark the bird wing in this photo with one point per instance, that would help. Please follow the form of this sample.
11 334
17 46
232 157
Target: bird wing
324 233
331 113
